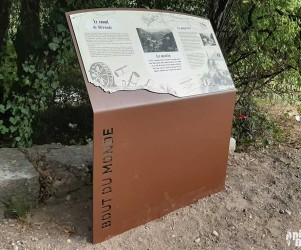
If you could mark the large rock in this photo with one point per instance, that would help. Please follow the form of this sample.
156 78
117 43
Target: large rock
18 178
63 169
67 169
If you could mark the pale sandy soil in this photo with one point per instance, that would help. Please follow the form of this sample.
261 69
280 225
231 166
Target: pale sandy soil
260 204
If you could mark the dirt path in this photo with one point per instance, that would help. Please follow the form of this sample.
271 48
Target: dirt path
261 202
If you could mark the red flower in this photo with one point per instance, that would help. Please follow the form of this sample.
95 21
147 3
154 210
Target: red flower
241 117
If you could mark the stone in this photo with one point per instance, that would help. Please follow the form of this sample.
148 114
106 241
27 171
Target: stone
232 146
215 233
284 160
36 153
18 177
68 167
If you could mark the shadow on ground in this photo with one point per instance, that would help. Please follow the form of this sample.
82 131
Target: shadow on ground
73 213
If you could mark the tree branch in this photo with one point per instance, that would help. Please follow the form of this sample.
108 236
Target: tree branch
243 56
250 21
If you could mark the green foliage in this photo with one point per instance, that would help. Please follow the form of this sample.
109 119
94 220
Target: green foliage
40 83
34 91
253 125
260 39
17 208
264 58
267 45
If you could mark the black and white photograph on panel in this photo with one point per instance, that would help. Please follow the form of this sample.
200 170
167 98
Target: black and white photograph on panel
208 39
157 40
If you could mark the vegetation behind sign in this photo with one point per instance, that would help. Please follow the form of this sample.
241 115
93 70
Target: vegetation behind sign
39 69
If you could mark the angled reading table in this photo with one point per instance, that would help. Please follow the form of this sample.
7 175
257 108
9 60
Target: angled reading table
163 101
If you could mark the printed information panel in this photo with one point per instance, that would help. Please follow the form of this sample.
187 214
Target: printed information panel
160 52
152 153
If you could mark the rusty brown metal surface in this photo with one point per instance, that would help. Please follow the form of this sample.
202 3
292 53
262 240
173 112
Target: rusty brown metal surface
154 153
152 159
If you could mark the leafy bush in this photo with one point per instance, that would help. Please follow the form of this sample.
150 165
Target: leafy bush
64 124
256 125
39 72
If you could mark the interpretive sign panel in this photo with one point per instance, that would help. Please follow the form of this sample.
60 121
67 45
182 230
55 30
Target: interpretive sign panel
153 153
160 52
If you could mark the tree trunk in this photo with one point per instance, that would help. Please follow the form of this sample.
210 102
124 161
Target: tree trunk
5 6
28 35
219 13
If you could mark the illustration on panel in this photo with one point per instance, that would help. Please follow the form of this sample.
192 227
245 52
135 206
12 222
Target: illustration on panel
217 71
101 75
208 39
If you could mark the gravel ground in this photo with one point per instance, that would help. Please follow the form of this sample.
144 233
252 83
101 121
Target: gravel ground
259 206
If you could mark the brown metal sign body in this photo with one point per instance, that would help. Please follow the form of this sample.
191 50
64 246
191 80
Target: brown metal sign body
154 153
